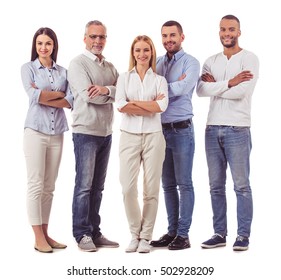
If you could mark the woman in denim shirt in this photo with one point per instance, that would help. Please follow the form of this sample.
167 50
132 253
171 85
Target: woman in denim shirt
46 86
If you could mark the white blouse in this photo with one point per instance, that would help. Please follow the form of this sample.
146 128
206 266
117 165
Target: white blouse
130 87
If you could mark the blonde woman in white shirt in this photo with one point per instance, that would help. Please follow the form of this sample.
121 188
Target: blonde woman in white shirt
141 96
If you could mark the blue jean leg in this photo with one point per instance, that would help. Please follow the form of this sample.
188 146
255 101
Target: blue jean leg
177 179
91 156
230 145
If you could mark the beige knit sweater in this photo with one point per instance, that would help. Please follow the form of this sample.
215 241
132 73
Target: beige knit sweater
92 116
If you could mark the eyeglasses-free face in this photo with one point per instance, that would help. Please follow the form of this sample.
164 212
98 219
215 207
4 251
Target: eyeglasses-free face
44 46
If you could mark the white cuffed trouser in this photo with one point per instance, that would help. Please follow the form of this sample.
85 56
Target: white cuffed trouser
147 149
43 155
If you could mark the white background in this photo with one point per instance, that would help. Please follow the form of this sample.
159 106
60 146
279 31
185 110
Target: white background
125 20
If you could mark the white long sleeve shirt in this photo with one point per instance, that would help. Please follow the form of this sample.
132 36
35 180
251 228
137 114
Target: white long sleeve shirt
229 106
131 88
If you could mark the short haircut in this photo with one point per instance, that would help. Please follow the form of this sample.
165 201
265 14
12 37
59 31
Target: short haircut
94 22
232 17
173 23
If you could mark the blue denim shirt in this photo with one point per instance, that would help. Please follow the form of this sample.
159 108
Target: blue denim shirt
46 119
180 92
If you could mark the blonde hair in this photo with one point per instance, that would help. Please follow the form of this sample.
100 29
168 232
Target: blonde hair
152 62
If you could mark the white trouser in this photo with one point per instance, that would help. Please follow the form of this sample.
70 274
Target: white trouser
43 155
149 150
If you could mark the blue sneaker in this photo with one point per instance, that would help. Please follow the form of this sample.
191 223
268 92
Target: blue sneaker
216 240
241 243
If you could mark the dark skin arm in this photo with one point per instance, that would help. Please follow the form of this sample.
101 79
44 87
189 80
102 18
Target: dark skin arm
240 78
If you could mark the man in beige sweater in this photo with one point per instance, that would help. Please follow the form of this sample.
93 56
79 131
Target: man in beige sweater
92 81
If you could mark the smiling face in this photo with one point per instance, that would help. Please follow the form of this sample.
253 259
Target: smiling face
142 53
229 33
171 39
95 39
44 46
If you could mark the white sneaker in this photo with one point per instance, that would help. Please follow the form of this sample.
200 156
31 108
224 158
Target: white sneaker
144 246
133 246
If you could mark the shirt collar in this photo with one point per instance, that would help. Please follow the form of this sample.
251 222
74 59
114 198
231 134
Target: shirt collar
39 65
176 56
134 70
93 57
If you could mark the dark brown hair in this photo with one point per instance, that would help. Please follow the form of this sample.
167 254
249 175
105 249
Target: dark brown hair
173 23
232 17
49 32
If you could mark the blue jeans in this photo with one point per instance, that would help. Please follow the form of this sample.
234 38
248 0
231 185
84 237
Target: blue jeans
177 179
229 145
91 157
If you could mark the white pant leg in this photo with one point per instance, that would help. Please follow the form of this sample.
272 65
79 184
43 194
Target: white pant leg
43 155
153 157
134 149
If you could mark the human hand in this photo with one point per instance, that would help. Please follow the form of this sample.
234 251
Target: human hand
159 96
34 86
241 77
95 90
207 77
61 94
182 77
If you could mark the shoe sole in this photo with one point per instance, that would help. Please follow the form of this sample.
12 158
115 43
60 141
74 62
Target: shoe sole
238 248
59 247
143 251
43 251
87 250
204 246
185 247
130 250
107 246
160 246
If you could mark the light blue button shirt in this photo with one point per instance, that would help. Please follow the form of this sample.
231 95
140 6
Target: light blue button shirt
180 92
46 119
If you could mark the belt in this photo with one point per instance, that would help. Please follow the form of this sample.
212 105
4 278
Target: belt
181 124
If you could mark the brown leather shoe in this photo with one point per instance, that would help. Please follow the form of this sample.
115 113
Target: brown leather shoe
163 241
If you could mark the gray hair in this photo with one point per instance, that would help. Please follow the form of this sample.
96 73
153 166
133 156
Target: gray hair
94 22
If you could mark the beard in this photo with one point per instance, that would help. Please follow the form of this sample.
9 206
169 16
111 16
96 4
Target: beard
232 43
96 50
171 49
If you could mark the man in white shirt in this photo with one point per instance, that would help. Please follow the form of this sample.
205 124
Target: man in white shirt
229 79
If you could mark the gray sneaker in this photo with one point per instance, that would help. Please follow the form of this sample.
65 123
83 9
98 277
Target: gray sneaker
104 242
86 244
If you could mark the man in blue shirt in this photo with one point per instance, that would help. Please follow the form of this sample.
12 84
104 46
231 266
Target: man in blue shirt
181 71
